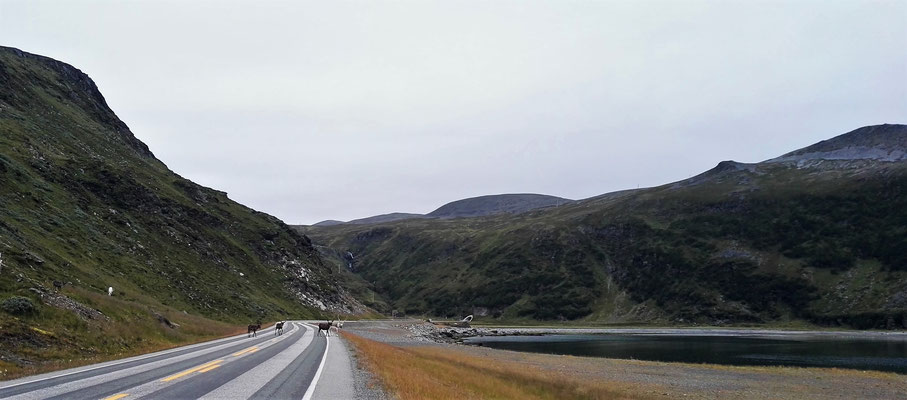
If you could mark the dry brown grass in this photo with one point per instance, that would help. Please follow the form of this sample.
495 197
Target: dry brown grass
438 373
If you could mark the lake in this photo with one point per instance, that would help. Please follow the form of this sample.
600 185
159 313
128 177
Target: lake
870 354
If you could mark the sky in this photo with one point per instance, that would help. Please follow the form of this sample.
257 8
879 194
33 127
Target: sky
314 110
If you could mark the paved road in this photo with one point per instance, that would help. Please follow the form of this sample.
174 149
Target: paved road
267 366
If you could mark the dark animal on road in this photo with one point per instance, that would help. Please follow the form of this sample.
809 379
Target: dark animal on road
253 330
278 329
326 327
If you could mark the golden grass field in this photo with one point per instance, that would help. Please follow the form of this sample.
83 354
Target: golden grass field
437 373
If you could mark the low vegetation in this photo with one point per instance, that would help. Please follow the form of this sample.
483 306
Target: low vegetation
17 305
436 373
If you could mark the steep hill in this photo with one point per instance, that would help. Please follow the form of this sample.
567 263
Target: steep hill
85 203
784 240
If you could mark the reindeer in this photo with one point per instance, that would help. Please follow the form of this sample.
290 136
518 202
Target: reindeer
278 328
253 329
58 285
326 327
337 325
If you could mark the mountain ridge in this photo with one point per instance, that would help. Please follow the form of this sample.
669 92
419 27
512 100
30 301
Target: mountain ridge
873 142
885 142
507 203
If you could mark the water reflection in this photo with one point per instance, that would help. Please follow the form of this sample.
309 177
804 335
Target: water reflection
873 354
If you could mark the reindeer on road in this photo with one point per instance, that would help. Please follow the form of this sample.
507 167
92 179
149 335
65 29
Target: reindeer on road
253 329
278 328
326 327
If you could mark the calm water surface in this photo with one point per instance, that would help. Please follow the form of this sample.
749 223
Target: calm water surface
871 354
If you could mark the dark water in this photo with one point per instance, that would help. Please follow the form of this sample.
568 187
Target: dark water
869 354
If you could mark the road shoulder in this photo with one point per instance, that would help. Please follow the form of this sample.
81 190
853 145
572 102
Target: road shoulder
343 377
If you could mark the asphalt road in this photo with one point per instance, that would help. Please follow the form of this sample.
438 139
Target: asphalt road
267 366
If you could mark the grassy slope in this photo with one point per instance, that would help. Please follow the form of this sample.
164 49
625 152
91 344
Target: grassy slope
84 202
778 245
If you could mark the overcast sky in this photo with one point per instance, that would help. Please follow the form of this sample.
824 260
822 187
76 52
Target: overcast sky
341 110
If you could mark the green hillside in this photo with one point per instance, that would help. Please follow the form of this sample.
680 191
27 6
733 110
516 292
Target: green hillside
799 239
86 204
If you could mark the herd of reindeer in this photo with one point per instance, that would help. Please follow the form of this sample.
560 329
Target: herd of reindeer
278 328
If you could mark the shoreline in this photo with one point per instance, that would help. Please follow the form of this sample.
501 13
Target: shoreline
450 334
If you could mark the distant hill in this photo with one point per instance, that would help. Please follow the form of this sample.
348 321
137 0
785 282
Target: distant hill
472 207
385 218
817 235
496 204
328 222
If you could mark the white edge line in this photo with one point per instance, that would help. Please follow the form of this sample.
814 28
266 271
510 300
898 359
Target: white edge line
125 360
311 390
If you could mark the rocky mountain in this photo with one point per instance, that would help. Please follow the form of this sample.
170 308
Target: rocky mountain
85 205
878 143
817 235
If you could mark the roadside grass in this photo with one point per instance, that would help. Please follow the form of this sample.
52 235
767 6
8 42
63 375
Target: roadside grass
56 339
435 373
70 351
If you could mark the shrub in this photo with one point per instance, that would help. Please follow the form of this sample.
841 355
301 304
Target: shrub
19 306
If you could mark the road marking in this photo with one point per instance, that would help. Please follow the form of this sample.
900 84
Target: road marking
311 390
191 370
125 360
117 396
211 346
209 368
247 350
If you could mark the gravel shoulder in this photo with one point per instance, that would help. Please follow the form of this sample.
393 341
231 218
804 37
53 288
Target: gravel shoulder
348 378
674 380
343 377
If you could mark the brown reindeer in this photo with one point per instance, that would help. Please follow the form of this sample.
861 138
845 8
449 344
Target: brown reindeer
253 329
326 327
278 328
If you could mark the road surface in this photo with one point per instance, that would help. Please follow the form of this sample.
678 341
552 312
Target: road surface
268 366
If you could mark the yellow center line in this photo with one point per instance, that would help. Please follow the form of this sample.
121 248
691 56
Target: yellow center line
189 371
116 396
209 368
244 351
